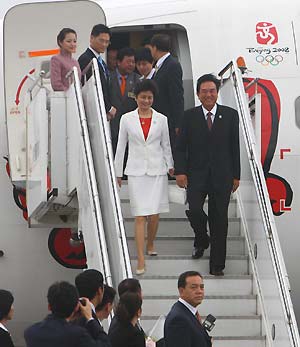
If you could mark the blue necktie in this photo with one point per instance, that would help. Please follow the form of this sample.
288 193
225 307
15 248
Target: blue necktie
103 66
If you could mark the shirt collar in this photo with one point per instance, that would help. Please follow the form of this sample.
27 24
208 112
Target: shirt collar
213 111
93 307
150 75
3 327
97 55
161 60
189 306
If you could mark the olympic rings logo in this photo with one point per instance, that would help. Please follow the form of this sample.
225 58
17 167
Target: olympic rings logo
269 59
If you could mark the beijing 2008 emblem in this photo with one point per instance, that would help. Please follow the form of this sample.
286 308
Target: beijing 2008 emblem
266 33
268 53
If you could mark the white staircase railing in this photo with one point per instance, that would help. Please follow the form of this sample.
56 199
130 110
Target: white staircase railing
113 223
258 221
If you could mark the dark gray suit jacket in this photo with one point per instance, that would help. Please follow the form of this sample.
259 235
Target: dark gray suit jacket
83 61
123 104
169 100
183 329
209 156
54 331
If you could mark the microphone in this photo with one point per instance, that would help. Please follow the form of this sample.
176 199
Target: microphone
209 322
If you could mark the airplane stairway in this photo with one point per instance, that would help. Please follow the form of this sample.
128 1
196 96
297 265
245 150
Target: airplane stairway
230 299
251 302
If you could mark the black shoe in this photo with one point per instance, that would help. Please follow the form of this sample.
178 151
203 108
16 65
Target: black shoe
197 253
206 243
215 272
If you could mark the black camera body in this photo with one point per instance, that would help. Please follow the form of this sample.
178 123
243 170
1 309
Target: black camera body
209 322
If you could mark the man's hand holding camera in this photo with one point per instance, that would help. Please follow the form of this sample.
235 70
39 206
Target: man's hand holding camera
85 308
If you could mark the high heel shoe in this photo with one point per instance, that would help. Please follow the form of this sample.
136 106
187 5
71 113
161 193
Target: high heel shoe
140 271
152 253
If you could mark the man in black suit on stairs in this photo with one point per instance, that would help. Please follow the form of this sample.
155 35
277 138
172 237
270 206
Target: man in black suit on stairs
183 326
168 76
99 41
207 162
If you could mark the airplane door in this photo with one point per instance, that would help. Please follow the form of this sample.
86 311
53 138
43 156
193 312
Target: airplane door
30 32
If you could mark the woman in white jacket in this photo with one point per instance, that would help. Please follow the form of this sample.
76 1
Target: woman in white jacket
149 161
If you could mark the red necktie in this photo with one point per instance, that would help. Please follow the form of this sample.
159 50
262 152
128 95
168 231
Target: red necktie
123 85
209 120
198 317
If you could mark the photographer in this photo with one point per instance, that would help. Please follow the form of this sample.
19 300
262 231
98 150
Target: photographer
56 329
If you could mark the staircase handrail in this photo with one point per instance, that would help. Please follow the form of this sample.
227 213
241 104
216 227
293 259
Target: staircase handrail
122 235
91 176
263 200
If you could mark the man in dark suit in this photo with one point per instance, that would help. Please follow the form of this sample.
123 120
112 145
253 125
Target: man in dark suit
99 40
183 326
57 329
207 162
89 284
121 88
168 77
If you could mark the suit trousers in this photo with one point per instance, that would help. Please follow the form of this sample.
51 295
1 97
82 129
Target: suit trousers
217 218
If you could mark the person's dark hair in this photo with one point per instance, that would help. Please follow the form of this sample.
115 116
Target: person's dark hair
162 42
208 78
62 34
125 52
182 278
146 86
131 285
88 282
146 41
143 54
108 297
6 301
100 29
62 298
128 306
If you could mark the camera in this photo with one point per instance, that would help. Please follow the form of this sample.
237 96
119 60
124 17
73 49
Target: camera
209 322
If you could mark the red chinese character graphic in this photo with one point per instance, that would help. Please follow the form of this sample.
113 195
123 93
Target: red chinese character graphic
266 33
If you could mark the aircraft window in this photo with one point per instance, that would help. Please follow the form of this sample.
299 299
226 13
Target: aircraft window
137 36
297 111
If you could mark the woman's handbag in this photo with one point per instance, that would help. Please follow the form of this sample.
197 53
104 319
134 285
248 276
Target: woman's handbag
177 194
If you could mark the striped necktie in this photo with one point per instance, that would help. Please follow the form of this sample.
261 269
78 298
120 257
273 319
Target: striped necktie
198 317
103 66
209 120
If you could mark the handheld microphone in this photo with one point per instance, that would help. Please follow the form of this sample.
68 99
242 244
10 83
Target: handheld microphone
209 322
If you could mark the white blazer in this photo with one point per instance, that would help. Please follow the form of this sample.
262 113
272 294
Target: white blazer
152 156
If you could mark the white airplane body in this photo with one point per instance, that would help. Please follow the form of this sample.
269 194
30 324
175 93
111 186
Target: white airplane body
205 36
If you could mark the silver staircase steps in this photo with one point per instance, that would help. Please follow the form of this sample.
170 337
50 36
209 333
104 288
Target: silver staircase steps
231 298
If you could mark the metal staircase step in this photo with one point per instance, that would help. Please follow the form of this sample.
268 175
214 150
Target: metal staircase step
229 298
226 326
169 245
177 210
239 341
174 265
228 285
180 226
223 305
